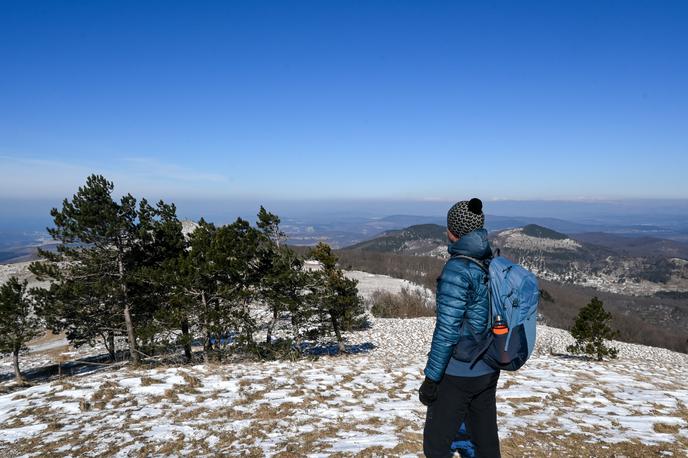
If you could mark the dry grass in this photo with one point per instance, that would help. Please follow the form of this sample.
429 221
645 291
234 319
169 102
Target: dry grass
511 381
665 428
164 400
565 445
38 412
120 401
191 381
190 414
84 405
531 409
173 446
16 422
105 393
67 385
405 304
148 381
682 411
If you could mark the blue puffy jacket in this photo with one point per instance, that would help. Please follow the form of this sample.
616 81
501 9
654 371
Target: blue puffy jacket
461 294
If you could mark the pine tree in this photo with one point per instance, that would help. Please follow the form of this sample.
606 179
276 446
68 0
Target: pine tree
196 291
268 224
218 281
235 255
279 267
282 289
161 244
88 298
295 293
337 295
100 271
18 320
591 329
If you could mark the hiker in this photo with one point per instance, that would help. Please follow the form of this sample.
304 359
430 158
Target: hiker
456 391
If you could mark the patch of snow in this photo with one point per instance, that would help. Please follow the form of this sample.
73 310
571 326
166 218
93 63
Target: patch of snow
15 434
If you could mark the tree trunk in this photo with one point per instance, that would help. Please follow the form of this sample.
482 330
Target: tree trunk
206 344
110 345
15 363
131 335
187 339
297 334
335 326
271 326
249 333
206 349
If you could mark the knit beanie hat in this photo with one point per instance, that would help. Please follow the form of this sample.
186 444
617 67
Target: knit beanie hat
465 216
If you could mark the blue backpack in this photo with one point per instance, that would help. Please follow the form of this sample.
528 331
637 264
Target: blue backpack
514 296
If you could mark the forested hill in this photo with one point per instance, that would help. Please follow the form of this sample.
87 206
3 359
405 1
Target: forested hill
417 239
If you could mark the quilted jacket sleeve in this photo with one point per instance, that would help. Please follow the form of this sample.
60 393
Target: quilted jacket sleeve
451 301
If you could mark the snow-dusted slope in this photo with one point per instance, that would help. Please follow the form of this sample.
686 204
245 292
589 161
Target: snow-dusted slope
517 238
360 404
369 283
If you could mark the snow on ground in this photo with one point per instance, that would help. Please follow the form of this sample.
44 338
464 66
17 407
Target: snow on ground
515 238
368 283
362 404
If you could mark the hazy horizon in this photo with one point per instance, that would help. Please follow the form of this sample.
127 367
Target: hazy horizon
27 212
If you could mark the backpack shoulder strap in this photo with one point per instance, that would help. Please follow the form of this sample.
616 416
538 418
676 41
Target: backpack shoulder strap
477 261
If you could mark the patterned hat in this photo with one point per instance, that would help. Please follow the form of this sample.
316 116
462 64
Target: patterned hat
465 216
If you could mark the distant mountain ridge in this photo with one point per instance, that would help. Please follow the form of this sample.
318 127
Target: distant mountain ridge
636 246
534 230
615 263
417 239
342 231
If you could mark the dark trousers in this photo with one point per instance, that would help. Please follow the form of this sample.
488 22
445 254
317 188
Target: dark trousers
469 399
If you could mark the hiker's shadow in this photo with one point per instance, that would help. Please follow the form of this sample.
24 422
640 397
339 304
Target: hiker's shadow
332 348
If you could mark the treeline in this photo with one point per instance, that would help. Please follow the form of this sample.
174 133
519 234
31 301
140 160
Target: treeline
123 270
642 320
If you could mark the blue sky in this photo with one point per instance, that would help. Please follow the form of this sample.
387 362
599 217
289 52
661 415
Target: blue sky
386 100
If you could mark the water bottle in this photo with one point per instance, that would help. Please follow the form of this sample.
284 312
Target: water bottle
500 329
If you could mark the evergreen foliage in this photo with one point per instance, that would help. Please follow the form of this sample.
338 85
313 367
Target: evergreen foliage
124 271
102 272
339 304
18 321
591 329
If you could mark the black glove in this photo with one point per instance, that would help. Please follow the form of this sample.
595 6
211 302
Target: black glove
428 392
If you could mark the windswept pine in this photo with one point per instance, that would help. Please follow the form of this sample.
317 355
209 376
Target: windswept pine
18 320
103 273
124 270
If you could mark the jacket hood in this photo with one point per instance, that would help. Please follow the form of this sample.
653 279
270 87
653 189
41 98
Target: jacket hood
473 244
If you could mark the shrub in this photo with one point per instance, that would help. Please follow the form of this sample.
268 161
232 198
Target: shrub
590 330
405 304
